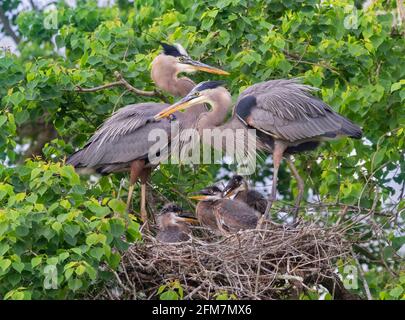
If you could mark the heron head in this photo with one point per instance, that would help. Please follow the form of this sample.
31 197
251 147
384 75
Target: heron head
234 185
204 92
209 193
178 57
172 214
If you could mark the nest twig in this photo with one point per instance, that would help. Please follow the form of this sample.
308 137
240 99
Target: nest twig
272 263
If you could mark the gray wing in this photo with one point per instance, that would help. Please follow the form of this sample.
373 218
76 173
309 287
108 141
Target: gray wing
253 199
233 215
123 137
172 236
286 110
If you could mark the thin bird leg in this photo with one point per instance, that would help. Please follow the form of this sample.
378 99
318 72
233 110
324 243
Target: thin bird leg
144 179
278 151
136 170
300 184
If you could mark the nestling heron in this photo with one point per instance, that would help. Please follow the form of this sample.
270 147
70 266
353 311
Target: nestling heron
121 143
173 225
239 187
288 119
222 215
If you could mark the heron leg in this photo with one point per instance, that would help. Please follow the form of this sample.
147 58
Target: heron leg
136 171
300 183
144 179
278 151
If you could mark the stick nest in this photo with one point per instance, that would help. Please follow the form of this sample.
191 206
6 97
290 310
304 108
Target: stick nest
274 262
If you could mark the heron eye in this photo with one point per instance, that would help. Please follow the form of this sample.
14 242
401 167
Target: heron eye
181 59
197 94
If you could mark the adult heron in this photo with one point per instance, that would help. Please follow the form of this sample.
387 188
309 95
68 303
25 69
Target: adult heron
239 188
121 143
222 215
288 119
173 224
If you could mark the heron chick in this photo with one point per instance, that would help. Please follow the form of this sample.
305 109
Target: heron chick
239 188
173 224
223 216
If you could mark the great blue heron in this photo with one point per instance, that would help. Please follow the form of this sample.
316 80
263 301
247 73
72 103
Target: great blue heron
287 119
223 215
239 187
173 225
121 143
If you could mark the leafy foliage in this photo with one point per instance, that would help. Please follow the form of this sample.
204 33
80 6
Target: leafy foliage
50 219
353 55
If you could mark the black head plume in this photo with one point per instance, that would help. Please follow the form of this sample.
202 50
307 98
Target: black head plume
170 50
208 85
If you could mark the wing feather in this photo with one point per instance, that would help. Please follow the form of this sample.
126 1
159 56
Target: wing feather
287 110
123 137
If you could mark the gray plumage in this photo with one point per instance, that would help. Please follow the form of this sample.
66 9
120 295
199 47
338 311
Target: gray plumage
121 139
253 199
224 216
171 228
233 216
205 215
286 110
174 234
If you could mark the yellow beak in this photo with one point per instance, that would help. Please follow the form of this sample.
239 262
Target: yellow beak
211 70
200 197
230 194
181 105
189 219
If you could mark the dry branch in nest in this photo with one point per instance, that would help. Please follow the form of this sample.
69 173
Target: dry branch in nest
274 262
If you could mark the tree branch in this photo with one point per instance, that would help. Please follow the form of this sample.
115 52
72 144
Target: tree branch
8 30
33 6
124 83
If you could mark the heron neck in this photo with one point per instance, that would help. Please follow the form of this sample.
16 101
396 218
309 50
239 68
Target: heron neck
220 103
165 76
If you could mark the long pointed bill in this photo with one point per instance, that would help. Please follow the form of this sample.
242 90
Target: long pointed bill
188 219
183 104
230 193
196 65
199 197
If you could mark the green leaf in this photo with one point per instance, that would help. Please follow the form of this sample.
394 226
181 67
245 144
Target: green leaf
169 295
117 206
36 261
69 172
98 210
18 266
80 270
3 119
3 248
75 284
97 253
35 172
71 229
398 242
396 292
57 226
95 238
16 98
117 227
4 264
